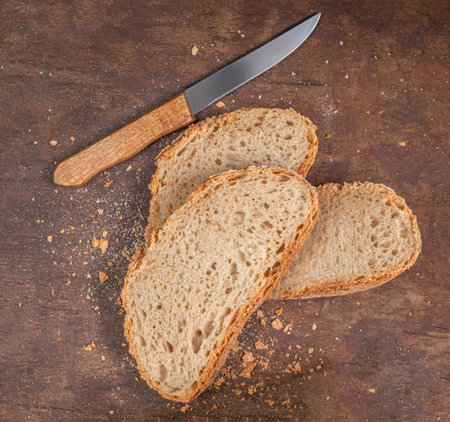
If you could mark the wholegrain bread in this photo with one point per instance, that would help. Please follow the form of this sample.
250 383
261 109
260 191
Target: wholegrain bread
232 141
365 235
209 267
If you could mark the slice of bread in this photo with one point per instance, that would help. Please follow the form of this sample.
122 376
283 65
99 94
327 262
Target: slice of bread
232 141
202 275
365 235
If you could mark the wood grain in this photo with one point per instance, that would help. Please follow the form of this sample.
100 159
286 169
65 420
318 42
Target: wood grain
75 171
373 75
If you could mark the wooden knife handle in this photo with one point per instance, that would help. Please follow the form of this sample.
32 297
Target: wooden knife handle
123 144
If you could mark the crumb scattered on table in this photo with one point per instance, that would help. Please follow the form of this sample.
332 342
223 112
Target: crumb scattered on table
103 276
277 324
247 371
247 357
259 345
90 346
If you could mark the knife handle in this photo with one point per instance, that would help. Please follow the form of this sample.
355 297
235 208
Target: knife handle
119 146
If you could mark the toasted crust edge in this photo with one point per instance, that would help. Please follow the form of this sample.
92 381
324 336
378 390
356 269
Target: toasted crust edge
214 364
221 120
337 287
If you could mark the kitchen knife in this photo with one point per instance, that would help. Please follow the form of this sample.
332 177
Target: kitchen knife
178 112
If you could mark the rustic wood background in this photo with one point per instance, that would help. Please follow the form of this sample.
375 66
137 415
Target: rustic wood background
373 77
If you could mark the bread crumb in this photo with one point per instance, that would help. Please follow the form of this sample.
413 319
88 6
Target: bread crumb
310 350
278 311
96 308
129 168
184 408
247 357
120 217
102 276
371 390
72 138
402 144
327 135
238 392
293 73
194 50
259 345
235 345
102 244
110 264
220 104
90 346
100 211
88 276
20 304
111 412
49 239
260 313
341 43
53 291
103 357
247 371
270 402
264 362
219 382
314 326
53 142
263 322
286 402
288 326
277 324
108 183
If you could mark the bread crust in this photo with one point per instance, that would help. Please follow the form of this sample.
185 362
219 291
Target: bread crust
339 287
217 359
220 120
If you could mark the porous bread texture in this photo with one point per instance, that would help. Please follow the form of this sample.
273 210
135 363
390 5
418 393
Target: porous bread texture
214 261
232 141
365 235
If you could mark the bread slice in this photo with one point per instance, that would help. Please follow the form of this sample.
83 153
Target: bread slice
233 141
365 235
214 261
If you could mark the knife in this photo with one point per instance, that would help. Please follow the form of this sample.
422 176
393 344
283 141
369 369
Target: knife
179 111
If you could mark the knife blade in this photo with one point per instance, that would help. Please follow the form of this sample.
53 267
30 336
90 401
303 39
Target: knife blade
243 70
179 112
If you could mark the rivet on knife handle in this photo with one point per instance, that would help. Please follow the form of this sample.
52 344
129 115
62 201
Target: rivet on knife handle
123 144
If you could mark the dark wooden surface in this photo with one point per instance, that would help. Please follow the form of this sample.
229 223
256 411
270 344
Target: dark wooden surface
373 75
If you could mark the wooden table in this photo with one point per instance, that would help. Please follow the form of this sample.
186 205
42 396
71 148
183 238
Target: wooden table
374 79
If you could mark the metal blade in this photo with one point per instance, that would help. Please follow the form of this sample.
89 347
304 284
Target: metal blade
227 79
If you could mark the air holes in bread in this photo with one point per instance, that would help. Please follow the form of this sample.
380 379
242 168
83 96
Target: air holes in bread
197 340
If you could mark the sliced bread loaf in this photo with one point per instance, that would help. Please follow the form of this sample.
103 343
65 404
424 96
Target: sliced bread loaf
233 141
365 235
202 275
